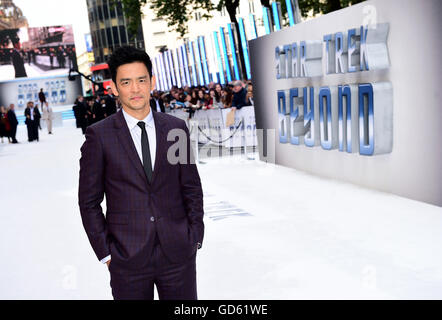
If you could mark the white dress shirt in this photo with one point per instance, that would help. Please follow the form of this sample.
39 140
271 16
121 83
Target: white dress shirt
135 132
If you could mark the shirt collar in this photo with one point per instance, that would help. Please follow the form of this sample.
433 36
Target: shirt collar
133 122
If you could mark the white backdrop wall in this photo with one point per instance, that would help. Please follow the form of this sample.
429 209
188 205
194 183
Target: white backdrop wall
414 167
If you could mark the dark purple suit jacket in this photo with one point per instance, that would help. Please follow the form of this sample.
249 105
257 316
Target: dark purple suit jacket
110 166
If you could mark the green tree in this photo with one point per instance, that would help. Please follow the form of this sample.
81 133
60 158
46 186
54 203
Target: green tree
316 6
132 12
178 12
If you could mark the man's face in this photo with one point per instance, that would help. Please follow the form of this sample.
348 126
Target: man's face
237 88
12 106
31 104
133 86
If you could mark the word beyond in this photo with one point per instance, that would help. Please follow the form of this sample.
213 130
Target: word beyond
353 118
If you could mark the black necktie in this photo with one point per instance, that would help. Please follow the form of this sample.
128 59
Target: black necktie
147 162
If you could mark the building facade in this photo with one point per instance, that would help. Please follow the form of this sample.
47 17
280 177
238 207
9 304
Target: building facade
85 62
11 16
108 27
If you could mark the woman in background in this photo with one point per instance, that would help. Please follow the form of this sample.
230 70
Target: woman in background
215 99
227 97
5 128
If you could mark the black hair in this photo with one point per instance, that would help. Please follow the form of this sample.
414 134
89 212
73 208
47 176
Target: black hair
125 55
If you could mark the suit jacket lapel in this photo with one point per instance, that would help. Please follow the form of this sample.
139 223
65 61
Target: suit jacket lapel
125 139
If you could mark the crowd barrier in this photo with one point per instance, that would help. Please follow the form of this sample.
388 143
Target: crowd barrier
209 127
206 126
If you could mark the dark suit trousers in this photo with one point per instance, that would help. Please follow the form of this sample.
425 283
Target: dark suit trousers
174 281
13 133
32 127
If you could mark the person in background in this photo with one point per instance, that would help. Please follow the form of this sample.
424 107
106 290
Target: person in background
191 103
218 89
111 105
90 112
38 121
98 109
42 97
13 122
215 100
239 95
5 127
207 99
119 106
211 85
32 120
249 95
103 107
226 97
47 116
202 102
156 103
17 59
166 100
82 113
75 109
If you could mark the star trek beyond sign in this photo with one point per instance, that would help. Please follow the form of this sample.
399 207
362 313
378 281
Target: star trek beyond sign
351 117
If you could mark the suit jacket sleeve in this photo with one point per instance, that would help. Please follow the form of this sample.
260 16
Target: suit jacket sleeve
91 193
27 113
37 115
192 192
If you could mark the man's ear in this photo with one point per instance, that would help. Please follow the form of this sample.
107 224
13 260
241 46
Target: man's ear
114 88
153 82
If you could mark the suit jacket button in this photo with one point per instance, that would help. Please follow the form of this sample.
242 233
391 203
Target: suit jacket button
152 219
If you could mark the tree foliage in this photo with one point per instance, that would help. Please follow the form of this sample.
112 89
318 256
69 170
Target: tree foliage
178 12
133 13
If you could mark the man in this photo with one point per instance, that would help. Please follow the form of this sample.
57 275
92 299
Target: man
17 59
61 57
156 103
42 97
80 111
111 105
13 122
98 110
154 220
32 121
239 95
